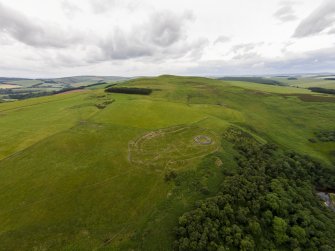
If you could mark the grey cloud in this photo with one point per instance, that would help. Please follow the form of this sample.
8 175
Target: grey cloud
243 47
285 13
331 31
70 9
318 21
34 33
166 27
163 36
246 47
314 61
245 52
163 31
246 56
123 46
222 39
101 6
104 6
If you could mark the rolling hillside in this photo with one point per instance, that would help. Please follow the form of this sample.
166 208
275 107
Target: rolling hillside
92 170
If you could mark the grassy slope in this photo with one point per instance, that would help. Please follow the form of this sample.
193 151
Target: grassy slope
24 123
306 82
269 88
68 185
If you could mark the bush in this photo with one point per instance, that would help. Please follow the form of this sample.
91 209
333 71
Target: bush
326 136
104 104
170 175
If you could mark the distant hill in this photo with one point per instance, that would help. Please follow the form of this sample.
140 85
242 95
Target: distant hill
26 88
69 80
79 79
5 79
258 80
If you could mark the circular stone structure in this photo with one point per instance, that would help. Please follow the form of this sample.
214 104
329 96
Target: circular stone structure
169 145
203 140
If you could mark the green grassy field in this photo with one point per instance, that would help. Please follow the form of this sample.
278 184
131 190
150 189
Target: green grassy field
75 177
306 82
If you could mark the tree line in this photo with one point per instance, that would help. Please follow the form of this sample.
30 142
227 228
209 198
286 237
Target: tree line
130 90
322 90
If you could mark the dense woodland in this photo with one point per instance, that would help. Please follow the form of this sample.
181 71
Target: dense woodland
268 203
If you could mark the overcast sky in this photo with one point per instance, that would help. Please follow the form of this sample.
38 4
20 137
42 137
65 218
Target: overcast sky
54 38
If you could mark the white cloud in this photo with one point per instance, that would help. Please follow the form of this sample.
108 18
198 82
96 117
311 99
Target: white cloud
131 37
285 13
164 34
35 32
70 9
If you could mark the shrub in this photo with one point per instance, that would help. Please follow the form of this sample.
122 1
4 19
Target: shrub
170 175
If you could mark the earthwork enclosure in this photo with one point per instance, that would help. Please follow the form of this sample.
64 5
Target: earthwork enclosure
172 144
